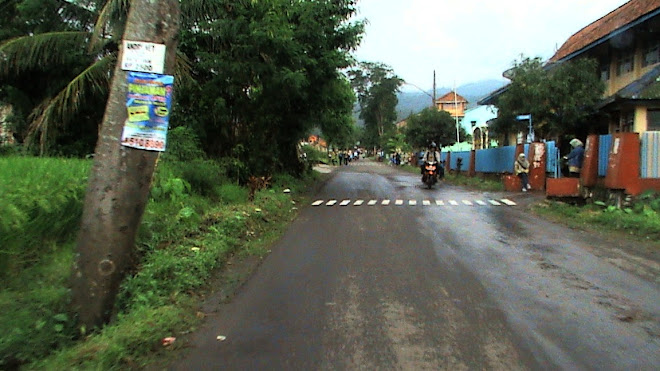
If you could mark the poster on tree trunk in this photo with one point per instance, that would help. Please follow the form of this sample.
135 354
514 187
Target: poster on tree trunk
148 104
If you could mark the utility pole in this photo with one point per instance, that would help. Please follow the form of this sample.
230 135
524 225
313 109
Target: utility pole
120 179
458 139
433 104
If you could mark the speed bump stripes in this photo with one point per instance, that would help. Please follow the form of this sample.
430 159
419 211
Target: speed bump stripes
400 202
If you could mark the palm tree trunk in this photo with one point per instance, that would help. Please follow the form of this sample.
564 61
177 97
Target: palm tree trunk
120 179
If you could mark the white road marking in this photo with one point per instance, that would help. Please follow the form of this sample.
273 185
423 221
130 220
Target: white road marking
347 202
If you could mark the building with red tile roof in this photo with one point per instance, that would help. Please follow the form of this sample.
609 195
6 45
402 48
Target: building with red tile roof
626 44
452 103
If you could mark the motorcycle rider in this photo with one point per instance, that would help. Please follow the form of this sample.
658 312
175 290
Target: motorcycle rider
433 155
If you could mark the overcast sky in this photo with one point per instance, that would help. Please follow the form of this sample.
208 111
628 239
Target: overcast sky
466 41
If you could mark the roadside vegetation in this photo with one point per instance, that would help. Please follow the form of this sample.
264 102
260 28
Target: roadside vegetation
640 218
479 183
197 218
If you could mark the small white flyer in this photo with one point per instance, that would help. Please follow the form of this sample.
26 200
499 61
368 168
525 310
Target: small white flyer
143 56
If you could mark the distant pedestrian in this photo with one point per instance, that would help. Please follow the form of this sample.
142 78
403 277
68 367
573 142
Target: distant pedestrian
575 158
398 159
521 168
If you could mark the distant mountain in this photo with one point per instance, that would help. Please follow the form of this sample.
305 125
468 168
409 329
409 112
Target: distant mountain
415 101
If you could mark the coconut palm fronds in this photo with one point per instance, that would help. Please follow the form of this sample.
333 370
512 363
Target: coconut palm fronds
200 10
58 111
182 68
111 20
40 51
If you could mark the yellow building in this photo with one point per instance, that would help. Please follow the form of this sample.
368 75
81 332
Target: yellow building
452 103
626 43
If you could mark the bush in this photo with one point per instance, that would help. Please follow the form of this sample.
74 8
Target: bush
235 170
183 145
232 194
314 156
204 176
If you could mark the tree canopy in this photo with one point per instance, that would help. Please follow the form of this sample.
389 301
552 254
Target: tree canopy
262 73
376 86
431 125
560 98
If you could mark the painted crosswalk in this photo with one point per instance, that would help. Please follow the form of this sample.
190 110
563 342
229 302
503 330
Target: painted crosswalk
413 202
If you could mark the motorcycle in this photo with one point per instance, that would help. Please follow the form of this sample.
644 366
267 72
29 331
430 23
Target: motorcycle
430 176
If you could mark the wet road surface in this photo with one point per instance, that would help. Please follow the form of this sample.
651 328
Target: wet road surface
429 285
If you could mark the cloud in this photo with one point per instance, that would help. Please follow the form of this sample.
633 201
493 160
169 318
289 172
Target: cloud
469 40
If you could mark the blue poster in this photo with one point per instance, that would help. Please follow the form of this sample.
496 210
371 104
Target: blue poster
148 103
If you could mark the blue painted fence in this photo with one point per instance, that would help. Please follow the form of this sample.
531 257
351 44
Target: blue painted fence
495 160
465 159
604 145
552 160
500 160
650 156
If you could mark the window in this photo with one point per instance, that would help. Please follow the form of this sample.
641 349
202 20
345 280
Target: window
626 122
625 63
653 119
651 54
605 71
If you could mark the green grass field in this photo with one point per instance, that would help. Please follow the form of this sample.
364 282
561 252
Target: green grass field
194 221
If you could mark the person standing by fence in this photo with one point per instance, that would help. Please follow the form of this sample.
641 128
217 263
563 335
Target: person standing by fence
575 158
521 168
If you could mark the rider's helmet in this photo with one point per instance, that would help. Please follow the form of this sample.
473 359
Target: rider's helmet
433 145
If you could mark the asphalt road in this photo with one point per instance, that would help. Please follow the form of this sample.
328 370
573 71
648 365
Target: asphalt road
405 278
